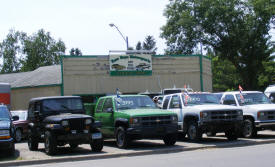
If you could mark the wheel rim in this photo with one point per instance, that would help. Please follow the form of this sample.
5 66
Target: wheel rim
18 135
247 129
192 131
120 138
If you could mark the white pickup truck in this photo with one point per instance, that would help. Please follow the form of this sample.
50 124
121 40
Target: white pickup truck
200 113
258 111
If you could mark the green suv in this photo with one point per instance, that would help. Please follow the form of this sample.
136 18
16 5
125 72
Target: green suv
133 117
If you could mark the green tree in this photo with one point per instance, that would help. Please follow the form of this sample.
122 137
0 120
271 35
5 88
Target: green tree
41 50
149 44
237 30
138 46
75 52
10 49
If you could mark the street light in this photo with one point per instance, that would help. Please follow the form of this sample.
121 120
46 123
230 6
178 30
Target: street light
124 38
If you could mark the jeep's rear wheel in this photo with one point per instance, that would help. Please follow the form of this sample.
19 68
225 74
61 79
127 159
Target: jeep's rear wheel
32 141
249 129
193 131
122 139
170 139
50 143
96 145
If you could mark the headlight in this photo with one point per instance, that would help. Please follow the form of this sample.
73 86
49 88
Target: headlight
203 114
134 120
65 123
88 121
4 132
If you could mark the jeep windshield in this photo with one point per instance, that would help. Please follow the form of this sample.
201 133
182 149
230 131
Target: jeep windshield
66 105
199 99
252 98
134 102
4 114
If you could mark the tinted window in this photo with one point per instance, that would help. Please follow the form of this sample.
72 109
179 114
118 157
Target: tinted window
31 110
166 101
62 105
108 104
99 105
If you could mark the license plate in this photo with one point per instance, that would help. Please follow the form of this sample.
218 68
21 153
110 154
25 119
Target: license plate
96 136
73 131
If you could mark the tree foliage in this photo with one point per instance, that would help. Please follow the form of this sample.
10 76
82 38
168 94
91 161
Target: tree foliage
149 44
75 52
41 50
236 30
10 49
138 46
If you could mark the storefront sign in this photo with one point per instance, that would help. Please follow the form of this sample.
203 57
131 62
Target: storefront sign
134 64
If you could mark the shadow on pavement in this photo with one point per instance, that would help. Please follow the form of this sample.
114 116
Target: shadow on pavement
5 157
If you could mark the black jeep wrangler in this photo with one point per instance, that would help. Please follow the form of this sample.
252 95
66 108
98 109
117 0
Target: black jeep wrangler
60 120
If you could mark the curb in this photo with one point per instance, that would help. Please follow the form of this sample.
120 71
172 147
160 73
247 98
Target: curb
138 153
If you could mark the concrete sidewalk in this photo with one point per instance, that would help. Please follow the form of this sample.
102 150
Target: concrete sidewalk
144 147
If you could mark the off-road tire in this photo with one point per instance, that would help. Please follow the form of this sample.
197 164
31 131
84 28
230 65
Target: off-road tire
32 141
193 132
249 130
96 145
122 139
50 143
170 139
18 135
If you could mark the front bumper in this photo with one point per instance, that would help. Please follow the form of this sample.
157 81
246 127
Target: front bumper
78 137
265 124
6 144
220 126
152 132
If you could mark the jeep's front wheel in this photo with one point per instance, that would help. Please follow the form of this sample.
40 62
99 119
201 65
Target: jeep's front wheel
32 141
193 131
122 139
170 139
50 143
96 145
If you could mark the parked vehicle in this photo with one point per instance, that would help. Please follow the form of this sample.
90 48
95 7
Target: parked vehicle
200 113
258 111
56 121
21 125
7 130
133 117
270 93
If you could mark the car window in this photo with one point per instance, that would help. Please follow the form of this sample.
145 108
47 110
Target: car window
272 97
107 104
133 102
166 101
4 113
229 100
175 102
99 105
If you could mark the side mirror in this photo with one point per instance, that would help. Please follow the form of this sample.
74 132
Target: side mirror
15 118
110 110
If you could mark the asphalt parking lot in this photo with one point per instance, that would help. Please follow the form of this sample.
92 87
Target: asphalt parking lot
24 157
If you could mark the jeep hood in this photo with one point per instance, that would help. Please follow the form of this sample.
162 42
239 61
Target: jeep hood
5 124
146 112
213 107
60 117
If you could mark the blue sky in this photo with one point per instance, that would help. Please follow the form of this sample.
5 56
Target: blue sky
85 23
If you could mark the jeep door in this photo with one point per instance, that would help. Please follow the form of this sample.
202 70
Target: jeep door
107 117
